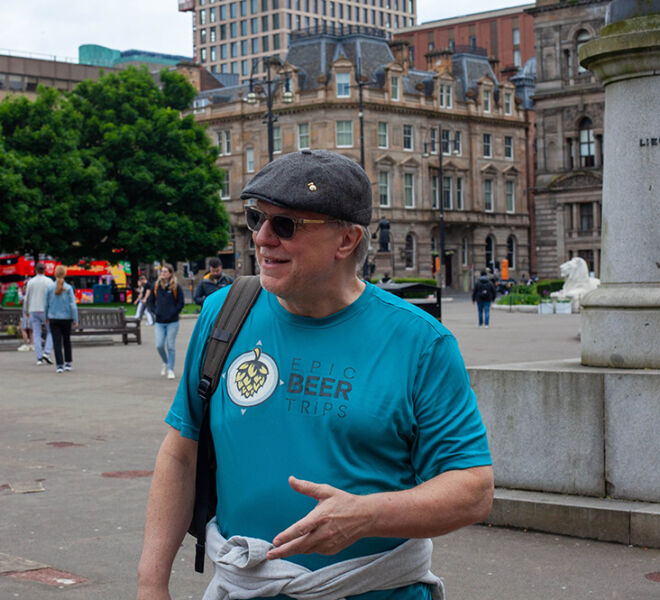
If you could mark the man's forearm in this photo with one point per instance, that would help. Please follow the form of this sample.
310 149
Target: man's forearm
445 503
169 509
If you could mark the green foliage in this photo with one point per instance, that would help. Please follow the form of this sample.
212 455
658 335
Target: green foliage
161 167
517 298
547 286
110 170
46 180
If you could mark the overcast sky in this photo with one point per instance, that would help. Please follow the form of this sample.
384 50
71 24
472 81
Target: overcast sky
56 28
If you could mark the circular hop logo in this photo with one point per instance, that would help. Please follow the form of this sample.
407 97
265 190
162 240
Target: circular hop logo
252 378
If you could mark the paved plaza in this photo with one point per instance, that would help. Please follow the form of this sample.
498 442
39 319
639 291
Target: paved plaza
77 450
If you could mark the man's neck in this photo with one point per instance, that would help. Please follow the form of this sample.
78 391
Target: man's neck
323 304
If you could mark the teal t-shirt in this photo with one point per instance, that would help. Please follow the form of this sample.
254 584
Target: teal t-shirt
373 398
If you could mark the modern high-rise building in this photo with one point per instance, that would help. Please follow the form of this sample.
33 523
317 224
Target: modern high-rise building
233 36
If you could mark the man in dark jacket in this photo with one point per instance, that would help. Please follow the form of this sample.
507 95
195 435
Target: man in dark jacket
483 294
212 281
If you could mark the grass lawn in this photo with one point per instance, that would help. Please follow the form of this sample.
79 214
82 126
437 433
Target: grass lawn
188 309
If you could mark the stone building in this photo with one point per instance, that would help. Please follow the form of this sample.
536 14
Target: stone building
409 115
234 36
569 136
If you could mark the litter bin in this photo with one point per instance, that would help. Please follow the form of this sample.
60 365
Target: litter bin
102 293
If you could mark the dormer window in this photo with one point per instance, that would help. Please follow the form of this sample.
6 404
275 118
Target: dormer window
445 95
394 82
486 101
343 85
508 104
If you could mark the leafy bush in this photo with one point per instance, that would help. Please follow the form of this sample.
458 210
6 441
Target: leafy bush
547 286
516 299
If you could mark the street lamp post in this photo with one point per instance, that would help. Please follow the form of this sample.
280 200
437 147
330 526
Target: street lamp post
271 86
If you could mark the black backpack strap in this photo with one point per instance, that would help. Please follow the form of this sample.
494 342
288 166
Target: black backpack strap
240 299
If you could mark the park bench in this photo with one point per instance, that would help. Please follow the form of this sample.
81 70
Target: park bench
91 321
431 303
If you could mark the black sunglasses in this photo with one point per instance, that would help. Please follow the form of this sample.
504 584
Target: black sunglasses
284 226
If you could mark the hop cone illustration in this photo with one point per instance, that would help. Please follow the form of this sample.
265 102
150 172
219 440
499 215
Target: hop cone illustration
251 375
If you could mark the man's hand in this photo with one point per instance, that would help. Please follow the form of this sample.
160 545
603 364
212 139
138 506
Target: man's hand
338 520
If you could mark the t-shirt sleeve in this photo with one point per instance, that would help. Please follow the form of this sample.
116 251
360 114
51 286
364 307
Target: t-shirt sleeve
450 432
185 414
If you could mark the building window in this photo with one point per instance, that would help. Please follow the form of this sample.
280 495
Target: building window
410 252
384 188
459 193
486 101
277 139
488 195
435 191
212 15
202 55
224 142
516 36
511 251
508 106
586 217
445 95
409 190
445 141
254 25
264 43
233 49
344 133
488 149
446 193
249 160
510 196
233 30
202 36
303 136
407 137
587 145
202 17
395 88
276 41
433 136
244 50
212 34
464 252
223 51
244 27
224 190
508 146
245 69
382 135
517 61
343 85
232 10
458 143
582 38
214 53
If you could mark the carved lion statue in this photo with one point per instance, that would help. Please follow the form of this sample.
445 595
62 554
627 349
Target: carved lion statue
577 282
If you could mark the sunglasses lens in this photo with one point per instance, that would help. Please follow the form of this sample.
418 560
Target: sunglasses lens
253 219
284 227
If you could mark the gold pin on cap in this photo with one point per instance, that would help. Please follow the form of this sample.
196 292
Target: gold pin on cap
312 186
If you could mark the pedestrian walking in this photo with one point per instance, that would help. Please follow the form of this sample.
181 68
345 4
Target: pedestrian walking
35 304
61 314
483 294
345 430
166 303
212 281
26 326
144 291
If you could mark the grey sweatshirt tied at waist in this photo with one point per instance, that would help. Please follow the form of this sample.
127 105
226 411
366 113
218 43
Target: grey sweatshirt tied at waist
242 571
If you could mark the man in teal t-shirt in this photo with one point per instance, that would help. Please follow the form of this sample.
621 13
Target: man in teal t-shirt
344 423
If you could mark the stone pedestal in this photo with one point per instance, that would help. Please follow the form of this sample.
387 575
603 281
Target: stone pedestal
383 262
621 319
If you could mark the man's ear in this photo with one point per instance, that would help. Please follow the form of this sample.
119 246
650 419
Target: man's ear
350 238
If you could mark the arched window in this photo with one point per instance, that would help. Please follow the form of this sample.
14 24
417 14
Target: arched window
511 251
410 251
490 253
587 144
582 38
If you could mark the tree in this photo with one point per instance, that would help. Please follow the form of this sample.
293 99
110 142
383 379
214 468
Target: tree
165 185
46 182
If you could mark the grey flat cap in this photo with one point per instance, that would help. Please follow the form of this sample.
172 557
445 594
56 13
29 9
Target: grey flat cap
315 180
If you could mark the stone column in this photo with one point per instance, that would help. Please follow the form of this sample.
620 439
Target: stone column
620 323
